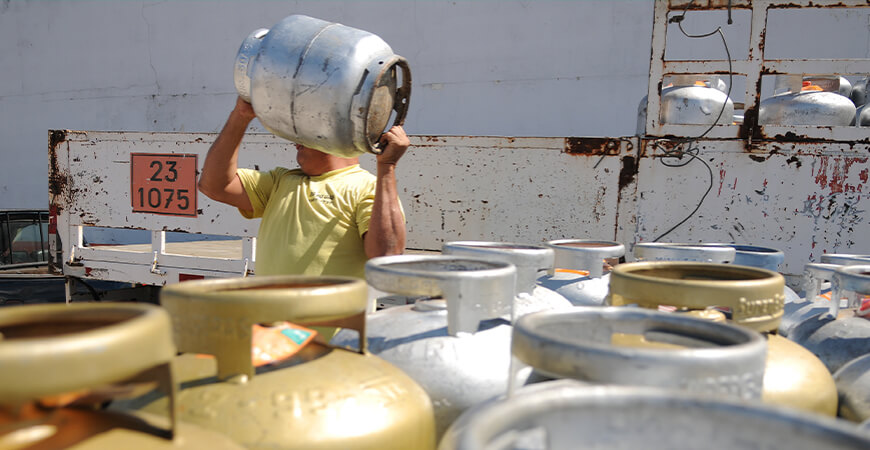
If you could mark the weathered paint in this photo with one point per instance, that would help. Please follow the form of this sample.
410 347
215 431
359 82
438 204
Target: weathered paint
507 189
802 198
799 189
592 146
90 185
753 67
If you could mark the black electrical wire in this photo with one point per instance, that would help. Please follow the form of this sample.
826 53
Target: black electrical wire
693 152
691 143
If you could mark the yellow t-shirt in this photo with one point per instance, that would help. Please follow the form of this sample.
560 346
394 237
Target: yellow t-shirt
311 225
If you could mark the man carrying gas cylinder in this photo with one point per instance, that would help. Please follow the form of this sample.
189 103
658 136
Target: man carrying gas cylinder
325 218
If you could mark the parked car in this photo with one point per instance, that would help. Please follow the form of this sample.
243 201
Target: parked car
24 274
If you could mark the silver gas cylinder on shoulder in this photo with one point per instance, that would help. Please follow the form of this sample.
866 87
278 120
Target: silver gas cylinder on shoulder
456 344
530 260
324 85
580 274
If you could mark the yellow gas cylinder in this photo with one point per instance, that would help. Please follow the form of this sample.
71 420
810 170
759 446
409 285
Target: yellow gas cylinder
321 397
793 376
58 363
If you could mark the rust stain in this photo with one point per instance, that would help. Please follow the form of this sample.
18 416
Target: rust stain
710 4
794 137
810 5
628 172
832 174
58 182
838 178
55 137
591 146
794 159
757 158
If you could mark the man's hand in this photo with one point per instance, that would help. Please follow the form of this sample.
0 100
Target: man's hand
394 142
244 110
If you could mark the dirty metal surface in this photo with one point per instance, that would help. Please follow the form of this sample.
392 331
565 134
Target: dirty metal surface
526 190
747 4
490 188
753 67
803 198
90 186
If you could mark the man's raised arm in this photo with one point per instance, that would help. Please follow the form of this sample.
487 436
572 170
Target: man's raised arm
218 179
386 233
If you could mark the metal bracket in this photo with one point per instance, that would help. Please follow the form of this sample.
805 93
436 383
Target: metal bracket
245 271
73 262
154 268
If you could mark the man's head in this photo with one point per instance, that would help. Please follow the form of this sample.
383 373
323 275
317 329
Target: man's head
314 162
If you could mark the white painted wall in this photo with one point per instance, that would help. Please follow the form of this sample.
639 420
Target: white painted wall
479 68
506 68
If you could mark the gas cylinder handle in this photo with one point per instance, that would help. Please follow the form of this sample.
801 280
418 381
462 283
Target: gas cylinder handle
84 347
666 251
216 317
755 256
242 68
852 282
842 259
474 289
755 296
585 254
529 260
814 275
622 346
403 96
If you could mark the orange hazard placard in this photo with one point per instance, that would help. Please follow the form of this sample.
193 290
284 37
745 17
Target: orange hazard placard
163 183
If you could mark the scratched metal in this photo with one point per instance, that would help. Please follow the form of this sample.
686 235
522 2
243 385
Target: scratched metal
753 67
805 199
89 185
526 189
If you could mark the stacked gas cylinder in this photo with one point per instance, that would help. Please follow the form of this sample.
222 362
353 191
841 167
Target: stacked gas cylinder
496 345
797 100
822 101
492 344
678 349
